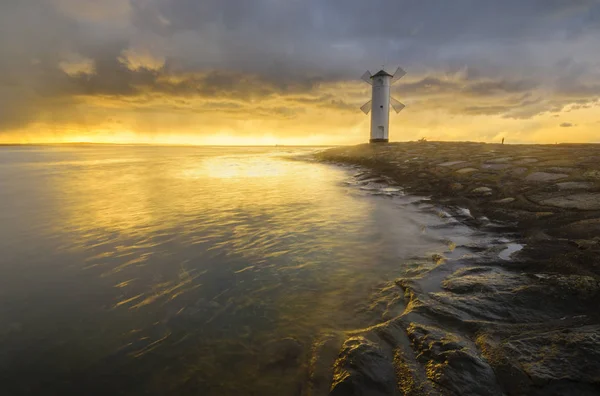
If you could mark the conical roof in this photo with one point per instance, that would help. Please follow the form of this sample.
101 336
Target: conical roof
381 73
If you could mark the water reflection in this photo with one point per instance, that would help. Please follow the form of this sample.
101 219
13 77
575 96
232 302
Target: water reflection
157 270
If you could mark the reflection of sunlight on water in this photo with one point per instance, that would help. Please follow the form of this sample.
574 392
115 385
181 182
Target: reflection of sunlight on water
138 220
237 167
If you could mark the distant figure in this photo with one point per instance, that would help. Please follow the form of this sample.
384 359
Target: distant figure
502 140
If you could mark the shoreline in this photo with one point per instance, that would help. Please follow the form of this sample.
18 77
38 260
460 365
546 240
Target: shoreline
503 184
523 326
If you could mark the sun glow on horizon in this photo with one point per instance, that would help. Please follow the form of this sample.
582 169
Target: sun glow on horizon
222 139
324 129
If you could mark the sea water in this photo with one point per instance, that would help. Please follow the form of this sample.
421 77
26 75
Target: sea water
173 270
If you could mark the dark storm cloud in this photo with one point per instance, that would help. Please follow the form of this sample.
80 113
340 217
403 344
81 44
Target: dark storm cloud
431 20
487 88
476 87
341 38
249 50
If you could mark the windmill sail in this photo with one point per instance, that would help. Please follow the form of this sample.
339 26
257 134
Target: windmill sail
367 77
366 108
398 74
396 105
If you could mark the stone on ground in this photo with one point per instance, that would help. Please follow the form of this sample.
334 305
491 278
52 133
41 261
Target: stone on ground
582 201
574 186
363 369
545 176
466 170
451 163
505 200
482 191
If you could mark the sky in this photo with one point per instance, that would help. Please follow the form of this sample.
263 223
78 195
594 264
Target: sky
288 72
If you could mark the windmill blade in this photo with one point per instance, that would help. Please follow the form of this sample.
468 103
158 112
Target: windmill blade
396 105
366 108
398 74
366 77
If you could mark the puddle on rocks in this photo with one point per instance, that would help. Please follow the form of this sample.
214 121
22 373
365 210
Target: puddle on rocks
510 249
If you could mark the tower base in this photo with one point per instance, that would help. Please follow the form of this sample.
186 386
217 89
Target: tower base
378 141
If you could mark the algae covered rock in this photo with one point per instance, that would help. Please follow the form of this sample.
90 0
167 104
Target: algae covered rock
362 369
452 362
557 362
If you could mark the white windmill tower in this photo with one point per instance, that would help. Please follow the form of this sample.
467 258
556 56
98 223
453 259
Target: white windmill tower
379 105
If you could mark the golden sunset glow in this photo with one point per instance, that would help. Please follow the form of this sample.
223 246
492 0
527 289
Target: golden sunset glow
310 129
156 73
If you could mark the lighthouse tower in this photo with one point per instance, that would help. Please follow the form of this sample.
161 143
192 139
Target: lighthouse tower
380 102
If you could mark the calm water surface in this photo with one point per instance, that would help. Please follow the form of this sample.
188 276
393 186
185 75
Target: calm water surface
168 270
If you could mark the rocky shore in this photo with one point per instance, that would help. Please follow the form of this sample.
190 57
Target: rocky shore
489 326
549 194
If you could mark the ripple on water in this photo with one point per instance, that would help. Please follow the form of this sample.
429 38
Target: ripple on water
195 259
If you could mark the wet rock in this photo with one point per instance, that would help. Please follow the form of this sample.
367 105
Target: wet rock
452 362
373 180
585 287
587 244
594 159
466 170
495 166
584 201
545 176
504 200
563 355
482 191
365 176
467 280
362 369
491 295
438 258
518 171
451 163
456 186
499 295
592 174
526 161
574 186
324 353
568 162
561 169
499 160
583 229
283 353
390 190
463 212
